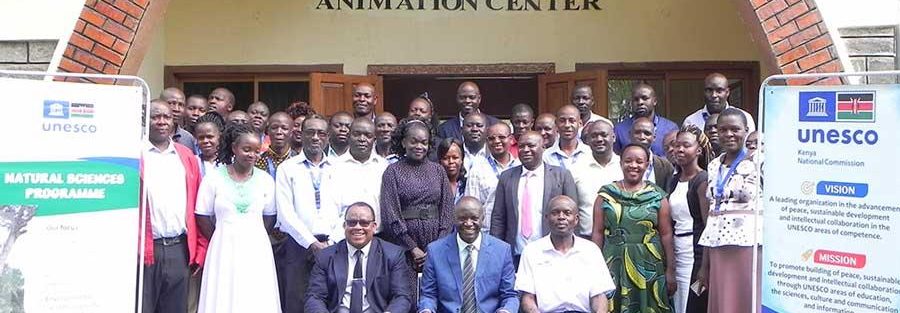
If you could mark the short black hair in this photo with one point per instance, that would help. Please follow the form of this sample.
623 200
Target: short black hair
731 111
637 145
362 204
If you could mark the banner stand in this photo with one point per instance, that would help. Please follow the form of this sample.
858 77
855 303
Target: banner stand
82 178
815 116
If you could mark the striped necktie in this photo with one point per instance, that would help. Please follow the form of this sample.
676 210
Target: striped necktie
469 303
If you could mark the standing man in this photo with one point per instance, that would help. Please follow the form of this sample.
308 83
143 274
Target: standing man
364 101
481 180
195 107
473 140
175 99
278 130
457 268
522 120
562 272
545 124
173 246
603 168
523 193
360 273
221 100
715 96
300 185
583 99
339 134
569 151
358 176
468 97
643 104
385 123
660 171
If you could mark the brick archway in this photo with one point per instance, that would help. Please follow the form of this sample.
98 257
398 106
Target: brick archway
112 37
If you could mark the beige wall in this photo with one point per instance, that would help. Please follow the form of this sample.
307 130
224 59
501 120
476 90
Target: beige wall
154 62
204 32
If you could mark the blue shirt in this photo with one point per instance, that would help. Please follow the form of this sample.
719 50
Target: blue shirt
662 127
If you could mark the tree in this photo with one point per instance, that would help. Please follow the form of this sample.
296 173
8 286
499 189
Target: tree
13 218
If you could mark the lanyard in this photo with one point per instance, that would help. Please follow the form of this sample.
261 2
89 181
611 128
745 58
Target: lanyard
722 180
649 171
559 158
493 164
316 181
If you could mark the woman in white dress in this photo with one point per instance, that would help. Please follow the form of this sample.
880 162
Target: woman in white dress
239 274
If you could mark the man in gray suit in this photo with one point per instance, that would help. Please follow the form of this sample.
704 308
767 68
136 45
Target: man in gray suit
524 192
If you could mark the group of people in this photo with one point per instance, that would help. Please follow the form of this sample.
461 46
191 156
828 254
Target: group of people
365 212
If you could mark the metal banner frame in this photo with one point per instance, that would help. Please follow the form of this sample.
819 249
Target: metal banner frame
135 81
760 127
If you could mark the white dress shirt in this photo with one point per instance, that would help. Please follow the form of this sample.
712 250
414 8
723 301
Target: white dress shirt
296 202
356 181
556 157
481 183
476 246
470 158
351 260
164 183
536 190
589 177
564 281
698 118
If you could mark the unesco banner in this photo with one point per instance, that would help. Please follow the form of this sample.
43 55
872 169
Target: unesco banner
69 196
832 201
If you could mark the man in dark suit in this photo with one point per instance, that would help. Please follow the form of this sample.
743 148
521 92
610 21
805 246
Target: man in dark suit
523 193
468 97
467 271
660 172
359 273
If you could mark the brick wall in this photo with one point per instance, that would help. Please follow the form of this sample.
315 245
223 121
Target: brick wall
102 38
798 38
872 49
26 55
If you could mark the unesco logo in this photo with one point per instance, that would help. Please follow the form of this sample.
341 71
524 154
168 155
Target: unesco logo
837 107
59 116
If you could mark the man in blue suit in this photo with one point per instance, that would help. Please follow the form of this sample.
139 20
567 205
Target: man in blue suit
467 271
359 273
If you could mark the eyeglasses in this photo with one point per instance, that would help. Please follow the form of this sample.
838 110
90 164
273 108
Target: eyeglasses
361 223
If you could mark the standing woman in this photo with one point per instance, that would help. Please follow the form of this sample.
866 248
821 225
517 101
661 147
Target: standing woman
691 152
733 225
416 200
239 274
208 131
421 108
451 157
633 226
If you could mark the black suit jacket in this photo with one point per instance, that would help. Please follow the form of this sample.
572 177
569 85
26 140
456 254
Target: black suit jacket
387 279
663 172
505 217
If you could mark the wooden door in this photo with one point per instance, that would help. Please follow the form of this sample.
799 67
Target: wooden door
332 93
555 90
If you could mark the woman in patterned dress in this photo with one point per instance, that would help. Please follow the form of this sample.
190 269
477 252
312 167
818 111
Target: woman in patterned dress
416 200
633 226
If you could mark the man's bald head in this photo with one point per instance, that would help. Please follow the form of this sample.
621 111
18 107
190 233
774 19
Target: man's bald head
221 100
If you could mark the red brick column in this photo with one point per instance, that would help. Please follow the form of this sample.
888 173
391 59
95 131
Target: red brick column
794 37
111 37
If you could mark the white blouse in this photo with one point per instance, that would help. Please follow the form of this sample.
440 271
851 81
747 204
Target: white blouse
738 219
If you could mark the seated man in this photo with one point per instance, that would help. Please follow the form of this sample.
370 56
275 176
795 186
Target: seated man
337 283
562 272
485 286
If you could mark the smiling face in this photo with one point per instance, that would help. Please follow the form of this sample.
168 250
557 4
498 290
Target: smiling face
452 161
562 216
246 150
545 125
567 122
468 214
364 99
279 130
531 149
359 225
732 131
600 137
416 142
362 138
634 163
473 129
498 139
420 109
468 97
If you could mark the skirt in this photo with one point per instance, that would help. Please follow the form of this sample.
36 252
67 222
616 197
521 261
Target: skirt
731 279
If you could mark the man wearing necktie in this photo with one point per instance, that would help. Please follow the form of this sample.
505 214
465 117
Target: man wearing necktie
523 192
359 274
467 271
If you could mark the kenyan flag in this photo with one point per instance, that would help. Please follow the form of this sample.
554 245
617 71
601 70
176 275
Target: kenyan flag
855 107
